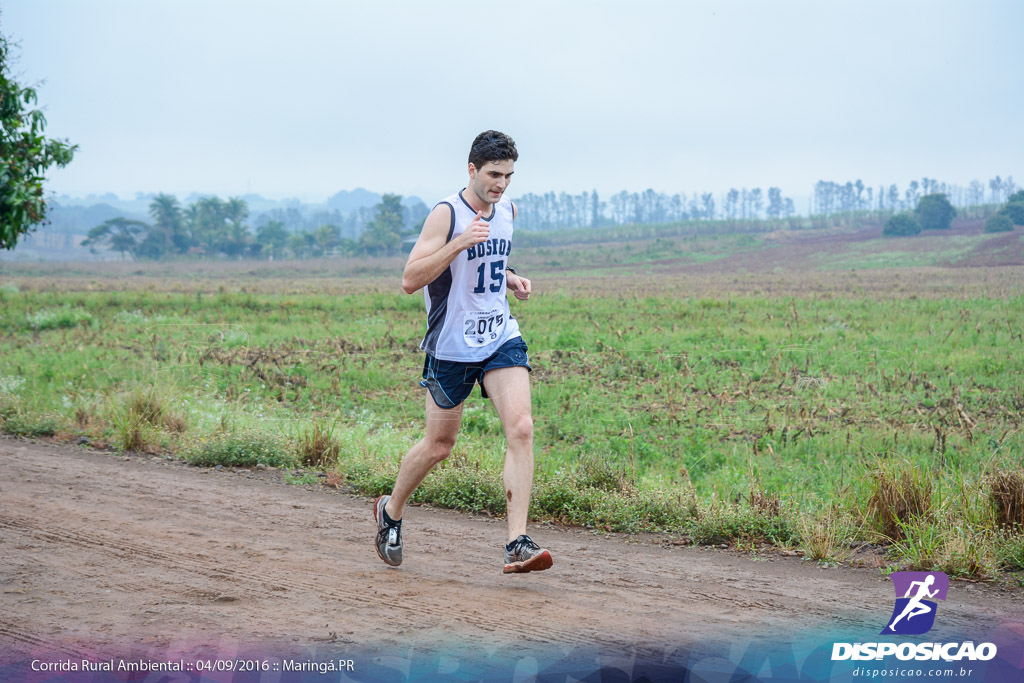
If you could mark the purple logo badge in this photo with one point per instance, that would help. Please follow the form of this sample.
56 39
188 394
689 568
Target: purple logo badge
916 593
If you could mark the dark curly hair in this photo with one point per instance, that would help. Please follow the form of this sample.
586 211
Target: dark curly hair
492 146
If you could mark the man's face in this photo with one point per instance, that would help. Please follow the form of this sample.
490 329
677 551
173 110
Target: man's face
491 180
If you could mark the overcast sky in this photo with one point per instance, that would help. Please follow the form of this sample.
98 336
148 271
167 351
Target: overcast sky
305 98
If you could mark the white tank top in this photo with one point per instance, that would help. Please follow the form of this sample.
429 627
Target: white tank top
467 313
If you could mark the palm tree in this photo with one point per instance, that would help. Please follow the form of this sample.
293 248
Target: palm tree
167 222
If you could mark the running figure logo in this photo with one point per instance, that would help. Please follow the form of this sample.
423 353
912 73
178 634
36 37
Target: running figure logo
914 613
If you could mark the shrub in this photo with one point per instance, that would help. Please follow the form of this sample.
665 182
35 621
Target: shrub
1014 211
901 225
138 416
317 447
721 523
1007 489
62 318
901 495
243 448
463 487
21 423
598 472
145 404
998 223
825 538
1010 551
934 212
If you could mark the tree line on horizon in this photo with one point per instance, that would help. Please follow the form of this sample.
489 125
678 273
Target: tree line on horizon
935 212
552 211
214 227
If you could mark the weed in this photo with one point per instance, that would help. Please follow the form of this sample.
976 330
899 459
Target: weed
317 446
825 538
1007 491
145 405
301 478
242 448
919 542
83 416
11 385
175 422
943 545
48 319
901 494
766 503
9 405
463 487
720 523
1009 550
967 553
31 424
129 430
597 472
133 417
335 479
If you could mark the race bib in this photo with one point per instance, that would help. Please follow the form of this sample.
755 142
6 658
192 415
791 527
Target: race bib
480 328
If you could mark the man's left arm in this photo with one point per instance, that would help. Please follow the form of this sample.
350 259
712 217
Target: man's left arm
519 286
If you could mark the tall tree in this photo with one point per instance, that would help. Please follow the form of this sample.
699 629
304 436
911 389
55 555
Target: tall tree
272 237
168 221
996 185
327 237
775 205
756 202
708 200
118 234
25 156
384 234
207 218
731 200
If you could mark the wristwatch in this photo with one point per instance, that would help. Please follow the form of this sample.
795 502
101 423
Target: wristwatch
511 270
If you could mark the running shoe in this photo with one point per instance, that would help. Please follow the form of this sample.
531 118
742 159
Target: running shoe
523 555
389 536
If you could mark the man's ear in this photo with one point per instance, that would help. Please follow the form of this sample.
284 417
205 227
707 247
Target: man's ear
472 170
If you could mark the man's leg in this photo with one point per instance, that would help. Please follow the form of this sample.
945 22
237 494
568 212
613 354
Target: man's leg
509 391
435 446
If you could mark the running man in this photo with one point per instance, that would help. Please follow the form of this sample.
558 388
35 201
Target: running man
915 607
461 262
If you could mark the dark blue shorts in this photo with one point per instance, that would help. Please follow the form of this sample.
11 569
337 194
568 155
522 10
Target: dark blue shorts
450 382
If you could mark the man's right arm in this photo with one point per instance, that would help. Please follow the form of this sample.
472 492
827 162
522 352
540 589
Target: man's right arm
433 253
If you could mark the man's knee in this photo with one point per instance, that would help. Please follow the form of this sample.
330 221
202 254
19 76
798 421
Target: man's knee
520 429
440 447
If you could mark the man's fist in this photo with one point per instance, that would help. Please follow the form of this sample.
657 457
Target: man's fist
475 233
519 286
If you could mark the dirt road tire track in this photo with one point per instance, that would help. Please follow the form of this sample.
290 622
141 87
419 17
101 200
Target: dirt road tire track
103 552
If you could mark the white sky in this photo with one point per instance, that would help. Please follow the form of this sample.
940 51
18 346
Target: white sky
306 98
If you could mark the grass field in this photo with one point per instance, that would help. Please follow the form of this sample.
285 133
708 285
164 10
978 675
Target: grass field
804 409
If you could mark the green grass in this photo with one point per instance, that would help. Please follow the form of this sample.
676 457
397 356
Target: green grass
653 409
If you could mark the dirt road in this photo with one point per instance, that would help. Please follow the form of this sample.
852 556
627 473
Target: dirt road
99 552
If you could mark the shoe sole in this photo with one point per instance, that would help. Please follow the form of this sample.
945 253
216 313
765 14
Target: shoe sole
537 563
376 507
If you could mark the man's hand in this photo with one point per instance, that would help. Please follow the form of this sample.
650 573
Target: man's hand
475 233
519 286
